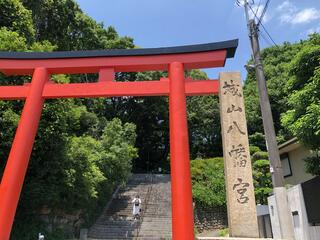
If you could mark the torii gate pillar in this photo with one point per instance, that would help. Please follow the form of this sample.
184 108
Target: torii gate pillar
20 152
182 211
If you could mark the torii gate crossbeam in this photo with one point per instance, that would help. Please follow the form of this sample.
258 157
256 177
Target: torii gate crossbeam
175 60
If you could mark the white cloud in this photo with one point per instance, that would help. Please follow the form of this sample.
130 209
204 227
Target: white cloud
289 13
286 6
306 15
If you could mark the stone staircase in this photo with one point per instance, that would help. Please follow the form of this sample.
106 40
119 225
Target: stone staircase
155 223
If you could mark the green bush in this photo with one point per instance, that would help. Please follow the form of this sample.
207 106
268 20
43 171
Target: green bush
261 176
254 149
208 187
223 232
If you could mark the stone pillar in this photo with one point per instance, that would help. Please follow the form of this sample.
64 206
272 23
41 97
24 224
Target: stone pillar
242 217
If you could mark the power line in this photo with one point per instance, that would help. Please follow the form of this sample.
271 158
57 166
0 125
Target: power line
263 13
257 8
239 2
264 28
260 22
268 35
254 13
265 38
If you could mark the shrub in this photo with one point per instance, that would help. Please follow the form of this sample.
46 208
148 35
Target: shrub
208 187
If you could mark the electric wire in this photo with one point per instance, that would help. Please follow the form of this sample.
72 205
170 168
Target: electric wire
263 12
264 28
269 35
260 21
265 38
258 7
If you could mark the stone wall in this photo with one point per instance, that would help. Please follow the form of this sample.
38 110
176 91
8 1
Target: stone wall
69 224
210 218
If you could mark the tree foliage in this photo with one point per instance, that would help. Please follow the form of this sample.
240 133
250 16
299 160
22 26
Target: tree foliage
75 165
208 187
292 74
276 61
303 116
261 176
63 23
204 126
17 18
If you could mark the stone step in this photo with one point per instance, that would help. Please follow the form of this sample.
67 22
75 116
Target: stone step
116 222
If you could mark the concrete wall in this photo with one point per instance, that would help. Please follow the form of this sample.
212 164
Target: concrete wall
275 224
303 230
264 222
299 214
314 232
296 157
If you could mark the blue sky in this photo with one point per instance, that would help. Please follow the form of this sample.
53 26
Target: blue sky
162 23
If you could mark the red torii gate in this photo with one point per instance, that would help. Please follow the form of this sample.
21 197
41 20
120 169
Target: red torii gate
106 62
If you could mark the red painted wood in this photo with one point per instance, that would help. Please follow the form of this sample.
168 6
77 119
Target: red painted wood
110 89
13 92
106 74
14 173
120 64
181 194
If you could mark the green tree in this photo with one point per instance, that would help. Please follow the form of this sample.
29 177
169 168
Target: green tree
11 41
204 126
203 122
15 17
276 62
118 142
261 177
302 119
257 139
63 23
150 115
74 167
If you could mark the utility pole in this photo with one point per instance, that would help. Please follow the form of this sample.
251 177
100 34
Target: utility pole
280 193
